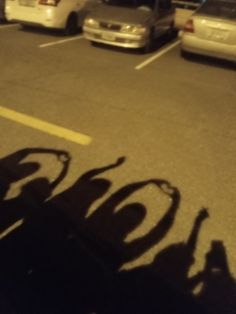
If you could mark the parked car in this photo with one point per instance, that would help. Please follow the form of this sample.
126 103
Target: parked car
2 10
212 30
57 14
129 23
184 9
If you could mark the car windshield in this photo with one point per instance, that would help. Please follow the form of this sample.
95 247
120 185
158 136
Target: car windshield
131 3
218 8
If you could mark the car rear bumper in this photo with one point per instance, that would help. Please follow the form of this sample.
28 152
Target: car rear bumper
37 17
115 38
191 43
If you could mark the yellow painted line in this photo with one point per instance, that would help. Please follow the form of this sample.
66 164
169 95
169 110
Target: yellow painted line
157 55
45 126
62 41
11 228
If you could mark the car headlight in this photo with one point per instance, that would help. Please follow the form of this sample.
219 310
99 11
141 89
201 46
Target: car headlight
91 22
134 29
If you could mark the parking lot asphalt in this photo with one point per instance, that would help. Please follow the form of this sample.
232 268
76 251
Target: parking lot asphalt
171 118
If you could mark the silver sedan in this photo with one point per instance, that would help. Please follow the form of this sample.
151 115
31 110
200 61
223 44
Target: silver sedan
211 30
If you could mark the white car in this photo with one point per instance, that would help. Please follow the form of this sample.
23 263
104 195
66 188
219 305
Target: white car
56 14
211 30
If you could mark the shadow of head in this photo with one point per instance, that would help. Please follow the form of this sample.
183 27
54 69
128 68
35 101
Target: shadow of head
11 175
38 189
97 188
128 218
216 258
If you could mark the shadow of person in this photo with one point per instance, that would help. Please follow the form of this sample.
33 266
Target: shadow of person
163 286
106 228
13 169
29 206
40 262
78 198
218 291
30 246
34 193
173 263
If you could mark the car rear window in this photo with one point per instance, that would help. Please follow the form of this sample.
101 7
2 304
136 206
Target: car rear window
218 8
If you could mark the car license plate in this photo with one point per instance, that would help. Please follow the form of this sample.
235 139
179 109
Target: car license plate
108 36
219 35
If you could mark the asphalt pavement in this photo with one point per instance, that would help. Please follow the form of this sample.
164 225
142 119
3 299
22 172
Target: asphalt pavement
159 130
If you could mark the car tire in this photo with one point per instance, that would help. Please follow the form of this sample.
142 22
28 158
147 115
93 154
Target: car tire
71 27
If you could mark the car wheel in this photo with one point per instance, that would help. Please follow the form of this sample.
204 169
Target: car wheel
71 27
150 43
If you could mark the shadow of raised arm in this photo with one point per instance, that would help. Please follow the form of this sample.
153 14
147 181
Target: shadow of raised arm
139 246
107 208
94 172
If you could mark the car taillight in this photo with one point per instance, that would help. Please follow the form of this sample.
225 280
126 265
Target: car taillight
189 27
49 2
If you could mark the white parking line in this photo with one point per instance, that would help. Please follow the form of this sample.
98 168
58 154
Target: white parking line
44 126
157 55
10 229
8 26
58 42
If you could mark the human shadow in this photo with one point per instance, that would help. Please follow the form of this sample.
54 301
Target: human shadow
41 259
63 261
163 286
88 188
22 244
13 169
108 226
33 193
218 290
183 256
104 231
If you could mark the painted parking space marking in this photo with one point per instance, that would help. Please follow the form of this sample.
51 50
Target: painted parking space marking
8 26
45 127
10 229
59 42
157 55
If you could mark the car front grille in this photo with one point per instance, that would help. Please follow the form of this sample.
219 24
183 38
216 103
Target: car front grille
110 26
